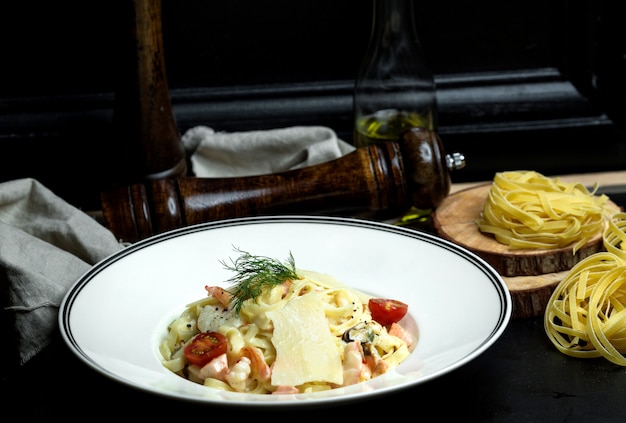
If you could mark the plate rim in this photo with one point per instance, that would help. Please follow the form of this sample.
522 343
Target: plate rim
72 294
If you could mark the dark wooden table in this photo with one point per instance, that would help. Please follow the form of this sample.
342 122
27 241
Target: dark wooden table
521 378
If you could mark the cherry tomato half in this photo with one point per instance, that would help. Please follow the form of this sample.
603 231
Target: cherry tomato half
386 311
204 347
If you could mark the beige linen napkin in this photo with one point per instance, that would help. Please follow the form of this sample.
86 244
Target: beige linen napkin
46 244
227 154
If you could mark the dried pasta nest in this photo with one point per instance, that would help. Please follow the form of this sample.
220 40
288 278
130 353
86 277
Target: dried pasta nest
525 209
586 314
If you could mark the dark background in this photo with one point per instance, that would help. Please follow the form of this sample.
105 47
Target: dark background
521 85
539 85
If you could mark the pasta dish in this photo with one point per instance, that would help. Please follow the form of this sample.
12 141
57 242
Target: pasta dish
305 334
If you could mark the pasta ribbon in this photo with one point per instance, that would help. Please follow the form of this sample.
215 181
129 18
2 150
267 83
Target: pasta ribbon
615 235
586 313
525 209
314 308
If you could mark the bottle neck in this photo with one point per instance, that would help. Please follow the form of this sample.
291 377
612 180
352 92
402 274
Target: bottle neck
393 25
394 53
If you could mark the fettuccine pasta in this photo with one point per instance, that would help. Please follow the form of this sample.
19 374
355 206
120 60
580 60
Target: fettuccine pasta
586 314
525 209
614 236
305 335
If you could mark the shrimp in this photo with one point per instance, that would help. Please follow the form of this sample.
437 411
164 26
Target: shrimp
237 378
259 365
376 365
354 369
238 375
286 389
220 294
400 332
215 369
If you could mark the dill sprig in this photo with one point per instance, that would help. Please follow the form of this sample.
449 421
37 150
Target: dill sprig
253 273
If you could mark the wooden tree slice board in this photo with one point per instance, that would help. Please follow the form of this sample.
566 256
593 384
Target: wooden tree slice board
530 274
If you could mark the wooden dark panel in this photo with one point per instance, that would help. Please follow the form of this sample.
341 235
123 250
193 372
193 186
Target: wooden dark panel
538 86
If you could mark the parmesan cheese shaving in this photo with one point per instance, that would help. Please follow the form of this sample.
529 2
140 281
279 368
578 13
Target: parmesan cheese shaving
306 351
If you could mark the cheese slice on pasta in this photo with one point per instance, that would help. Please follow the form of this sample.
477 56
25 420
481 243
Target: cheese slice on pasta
306 351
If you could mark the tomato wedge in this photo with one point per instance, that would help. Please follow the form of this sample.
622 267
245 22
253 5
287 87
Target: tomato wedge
386 311
204 347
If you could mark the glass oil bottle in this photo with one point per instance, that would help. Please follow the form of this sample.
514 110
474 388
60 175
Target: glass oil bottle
394 88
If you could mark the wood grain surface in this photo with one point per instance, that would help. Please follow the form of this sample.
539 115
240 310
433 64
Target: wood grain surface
530 274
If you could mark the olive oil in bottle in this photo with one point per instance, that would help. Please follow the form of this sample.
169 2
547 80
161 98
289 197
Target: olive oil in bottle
394 88
387 125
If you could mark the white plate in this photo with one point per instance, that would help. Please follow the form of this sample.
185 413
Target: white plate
114 316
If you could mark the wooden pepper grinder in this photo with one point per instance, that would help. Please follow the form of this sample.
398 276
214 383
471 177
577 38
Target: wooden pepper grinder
155 195
384 178
144 125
